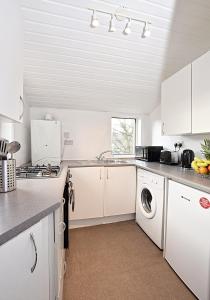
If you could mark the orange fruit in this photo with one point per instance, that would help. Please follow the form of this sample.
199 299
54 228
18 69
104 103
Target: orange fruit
209 168
203 170
197 170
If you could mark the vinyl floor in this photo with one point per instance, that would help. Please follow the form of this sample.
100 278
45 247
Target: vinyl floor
119 262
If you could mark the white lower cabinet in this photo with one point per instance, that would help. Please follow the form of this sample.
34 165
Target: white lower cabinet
24 265
120 190
59 252
88 185
103 191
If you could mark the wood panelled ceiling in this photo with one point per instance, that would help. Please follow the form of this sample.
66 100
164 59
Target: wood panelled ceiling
68 64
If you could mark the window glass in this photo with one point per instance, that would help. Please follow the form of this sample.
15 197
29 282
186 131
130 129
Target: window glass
123 136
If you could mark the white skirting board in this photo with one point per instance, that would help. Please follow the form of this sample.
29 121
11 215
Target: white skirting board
98 221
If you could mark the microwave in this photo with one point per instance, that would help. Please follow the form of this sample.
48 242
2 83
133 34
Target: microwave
148 153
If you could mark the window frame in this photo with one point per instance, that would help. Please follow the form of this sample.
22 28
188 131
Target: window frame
135 137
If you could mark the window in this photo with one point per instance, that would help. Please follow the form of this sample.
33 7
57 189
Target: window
123 136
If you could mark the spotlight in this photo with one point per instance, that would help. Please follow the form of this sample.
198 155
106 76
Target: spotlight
94 21
146 30
111 25
127 29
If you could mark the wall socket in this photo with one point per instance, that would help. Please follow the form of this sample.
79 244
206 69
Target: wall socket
178 145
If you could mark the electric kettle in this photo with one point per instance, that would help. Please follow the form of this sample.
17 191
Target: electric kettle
186 158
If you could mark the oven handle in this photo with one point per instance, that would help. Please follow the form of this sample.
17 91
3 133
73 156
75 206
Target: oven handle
73 200
71 196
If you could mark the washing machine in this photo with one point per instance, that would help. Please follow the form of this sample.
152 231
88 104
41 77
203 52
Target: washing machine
150 205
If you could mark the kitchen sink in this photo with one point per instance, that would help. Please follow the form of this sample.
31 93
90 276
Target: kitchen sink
114 161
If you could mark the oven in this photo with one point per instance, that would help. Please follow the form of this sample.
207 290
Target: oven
69 203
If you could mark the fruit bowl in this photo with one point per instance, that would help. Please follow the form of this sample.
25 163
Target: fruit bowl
201 166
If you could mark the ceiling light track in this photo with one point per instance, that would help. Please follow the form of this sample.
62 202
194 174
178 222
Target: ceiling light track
120 17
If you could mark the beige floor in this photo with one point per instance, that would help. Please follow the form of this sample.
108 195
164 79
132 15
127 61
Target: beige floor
118 261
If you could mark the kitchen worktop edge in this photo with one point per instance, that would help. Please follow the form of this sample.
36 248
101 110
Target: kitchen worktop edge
33 200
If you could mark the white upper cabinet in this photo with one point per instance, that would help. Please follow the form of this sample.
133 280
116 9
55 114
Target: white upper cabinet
201 94
11 60
176 103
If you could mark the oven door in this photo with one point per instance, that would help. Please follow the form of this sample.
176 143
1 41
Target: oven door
66 197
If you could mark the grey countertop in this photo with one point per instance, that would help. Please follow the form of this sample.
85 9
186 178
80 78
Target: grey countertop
36 198
176 173
100 163
29 203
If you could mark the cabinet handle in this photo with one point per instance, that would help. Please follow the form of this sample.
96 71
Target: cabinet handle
63 227
107 173
21 115
64 267
35 250
185 198
100 174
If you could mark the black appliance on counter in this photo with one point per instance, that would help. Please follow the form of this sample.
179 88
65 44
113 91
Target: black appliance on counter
186 158
69 200
169 157
148 153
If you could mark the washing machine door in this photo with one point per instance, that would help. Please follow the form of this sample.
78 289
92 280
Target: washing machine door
147 202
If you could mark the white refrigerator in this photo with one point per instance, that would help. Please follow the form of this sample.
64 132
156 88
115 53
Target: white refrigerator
45 142
187 246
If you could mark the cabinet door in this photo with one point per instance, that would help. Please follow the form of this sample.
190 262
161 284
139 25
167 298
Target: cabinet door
201 94
11 60
59 252
176 103
187 237
120 190
17 257
88 185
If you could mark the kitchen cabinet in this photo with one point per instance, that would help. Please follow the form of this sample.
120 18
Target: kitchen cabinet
176 103
11 61
103 191
88 185
59 252
120 190
201 94
24 262
187 237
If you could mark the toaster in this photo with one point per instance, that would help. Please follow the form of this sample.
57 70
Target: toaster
169 157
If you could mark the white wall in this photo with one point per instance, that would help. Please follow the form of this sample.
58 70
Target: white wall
192 141
89 130
20 133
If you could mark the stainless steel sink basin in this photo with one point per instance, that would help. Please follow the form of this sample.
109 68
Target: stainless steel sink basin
109 160
114 161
